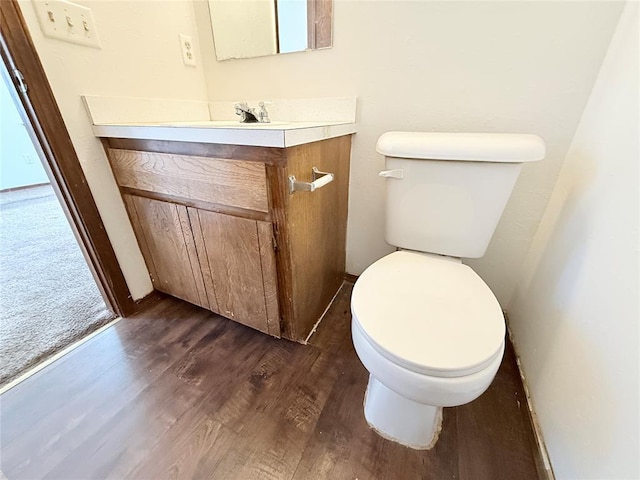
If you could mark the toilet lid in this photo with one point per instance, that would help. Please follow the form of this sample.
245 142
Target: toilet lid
429 314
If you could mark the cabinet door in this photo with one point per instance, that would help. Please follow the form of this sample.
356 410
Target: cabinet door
238 263
168 247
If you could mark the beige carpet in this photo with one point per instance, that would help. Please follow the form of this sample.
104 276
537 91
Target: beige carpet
48 297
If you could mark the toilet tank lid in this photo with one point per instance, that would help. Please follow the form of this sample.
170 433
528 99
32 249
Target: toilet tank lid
476 147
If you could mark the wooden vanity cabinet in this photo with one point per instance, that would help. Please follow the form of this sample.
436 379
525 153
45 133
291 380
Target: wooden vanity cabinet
218 227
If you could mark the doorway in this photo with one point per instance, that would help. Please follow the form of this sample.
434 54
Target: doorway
48 297
23 72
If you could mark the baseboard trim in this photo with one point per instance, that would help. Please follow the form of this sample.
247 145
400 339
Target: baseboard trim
350 278
32 371
542 460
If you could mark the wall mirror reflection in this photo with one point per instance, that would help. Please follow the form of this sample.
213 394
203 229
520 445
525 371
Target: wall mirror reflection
256 28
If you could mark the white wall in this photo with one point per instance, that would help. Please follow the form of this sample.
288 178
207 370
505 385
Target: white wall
140 57
575 315
19 162
443 66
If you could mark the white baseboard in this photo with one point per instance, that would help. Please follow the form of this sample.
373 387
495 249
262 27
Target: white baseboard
542 448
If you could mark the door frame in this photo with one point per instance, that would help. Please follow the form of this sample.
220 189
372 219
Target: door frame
59 157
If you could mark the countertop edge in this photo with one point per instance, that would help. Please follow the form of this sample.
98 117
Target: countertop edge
281 138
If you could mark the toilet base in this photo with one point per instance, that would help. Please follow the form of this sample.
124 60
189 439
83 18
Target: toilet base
399 419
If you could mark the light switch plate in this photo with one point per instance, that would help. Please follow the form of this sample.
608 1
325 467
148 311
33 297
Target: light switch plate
67 21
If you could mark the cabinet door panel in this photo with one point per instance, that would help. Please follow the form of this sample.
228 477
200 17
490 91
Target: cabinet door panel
165 238
237 266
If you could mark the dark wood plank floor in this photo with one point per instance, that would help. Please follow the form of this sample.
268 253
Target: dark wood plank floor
178 392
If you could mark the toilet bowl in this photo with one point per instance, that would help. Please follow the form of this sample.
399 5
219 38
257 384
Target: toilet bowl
431 334
426 327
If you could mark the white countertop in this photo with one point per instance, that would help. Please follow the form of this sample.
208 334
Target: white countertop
232 132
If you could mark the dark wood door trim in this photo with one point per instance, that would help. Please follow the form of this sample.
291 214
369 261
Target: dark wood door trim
18 52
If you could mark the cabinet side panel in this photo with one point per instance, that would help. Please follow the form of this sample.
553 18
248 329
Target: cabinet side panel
160 225
318 225
269 278
233 254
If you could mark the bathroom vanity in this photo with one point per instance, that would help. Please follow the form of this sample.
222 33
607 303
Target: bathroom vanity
219 224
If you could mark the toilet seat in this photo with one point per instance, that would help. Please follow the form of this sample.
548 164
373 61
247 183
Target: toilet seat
429 314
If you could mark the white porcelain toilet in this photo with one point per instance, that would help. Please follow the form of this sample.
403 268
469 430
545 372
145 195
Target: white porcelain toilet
426 327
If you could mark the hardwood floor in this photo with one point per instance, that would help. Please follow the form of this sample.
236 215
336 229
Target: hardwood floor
179 392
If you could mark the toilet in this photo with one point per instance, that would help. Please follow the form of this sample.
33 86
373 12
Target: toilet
427 328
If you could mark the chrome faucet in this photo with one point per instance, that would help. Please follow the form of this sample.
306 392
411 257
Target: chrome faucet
263 115
249 115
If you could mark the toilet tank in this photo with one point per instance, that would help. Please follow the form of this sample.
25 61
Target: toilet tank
446 191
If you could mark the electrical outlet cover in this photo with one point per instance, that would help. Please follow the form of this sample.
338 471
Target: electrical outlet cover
188 51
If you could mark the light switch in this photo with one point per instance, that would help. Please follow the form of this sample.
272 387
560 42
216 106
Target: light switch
67 21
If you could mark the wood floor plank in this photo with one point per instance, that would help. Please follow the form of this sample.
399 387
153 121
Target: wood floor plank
204 421
492 431
274 445
334 334
220 357
268 377
179 392
124 439
344 446
81 415
214 367
20 415
48 391
183 452
285 405
157 408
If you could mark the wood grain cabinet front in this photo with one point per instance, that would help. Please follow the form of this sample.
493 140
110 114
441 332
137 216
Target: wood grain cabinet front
219 181
218 226
217 261
164 234
238 264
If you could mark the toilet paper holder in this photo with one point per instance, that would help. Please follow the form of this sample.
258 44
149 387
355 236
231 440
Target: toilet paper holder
320 179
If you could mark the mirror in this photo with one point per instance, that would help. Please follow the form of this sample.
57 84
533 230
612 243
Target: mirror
255 28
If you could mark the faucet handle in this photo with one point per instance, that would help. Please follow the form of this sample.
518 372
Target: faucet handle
263 115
